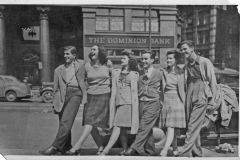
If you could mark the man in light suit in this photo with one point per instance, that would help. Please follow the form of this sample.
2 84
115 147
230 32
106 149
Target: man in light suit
69 95
200 98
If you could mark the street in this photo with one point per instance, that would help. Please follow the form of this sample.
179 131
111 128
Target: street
27 127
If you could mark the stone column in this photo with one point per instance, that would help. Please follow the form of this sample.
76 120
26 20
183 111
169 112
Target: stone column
44 44
2 43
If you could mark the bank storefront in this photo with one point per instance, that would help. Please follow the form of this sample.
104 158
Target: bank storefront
119 28
115 44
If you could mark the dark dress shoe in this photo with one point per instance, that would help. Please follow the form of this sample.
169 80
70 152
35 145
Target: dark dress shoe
130 152
70 153
49 151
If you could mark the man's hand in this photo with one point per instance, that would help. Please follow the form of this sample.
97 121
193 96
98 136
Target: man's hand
109 64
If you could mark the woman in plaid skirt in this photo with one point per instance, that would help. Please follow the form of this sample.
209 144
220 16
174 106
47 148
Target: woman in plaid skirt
96 111
124 113
172 115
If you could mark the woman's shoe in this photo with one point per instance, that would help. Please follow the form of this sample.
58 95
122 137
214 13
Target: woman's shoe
122 153
75 153
176 153
163 153
103 153
100 151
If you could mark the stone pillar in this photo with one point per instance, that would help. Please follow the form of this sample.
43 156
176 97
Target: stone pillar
44 44
2 43
213 24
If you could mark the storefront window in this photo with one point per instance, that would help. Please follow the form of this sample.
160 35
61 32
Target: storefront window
116 23
138 24
140 21
109 20
154 25
102 23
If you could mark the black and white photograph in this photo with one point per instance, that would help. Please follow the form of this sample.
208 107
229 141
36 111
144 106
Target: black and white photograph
90 81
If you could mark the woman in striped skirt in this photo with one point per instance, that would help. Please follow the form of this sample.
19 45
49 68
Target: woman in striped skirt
172 115
96 111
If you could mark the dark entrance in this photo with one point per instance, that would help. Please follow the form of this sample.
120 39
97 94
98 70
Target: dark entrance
30 72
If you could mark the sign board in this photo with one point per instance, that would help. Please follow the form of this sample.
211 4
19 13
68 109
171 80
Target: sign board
123 41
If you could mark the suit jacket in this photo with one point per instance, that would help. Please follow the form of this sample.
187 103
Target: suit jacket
151 87
135 110
180 84
60 83
208 77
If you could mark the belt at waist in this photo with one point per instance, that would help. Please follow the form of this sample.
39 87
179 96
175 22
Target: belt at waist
73 87
147 99
195 80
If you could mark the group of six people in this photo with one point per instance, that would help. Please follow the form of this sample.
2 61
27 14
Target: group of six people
133 98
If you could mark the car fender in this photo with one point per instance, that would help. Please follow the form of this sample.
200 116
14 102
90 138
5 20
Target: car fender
46 89
19 92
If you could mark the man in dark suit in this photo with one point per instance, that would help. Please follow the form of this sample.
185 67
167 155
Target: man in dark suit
69 95
149 107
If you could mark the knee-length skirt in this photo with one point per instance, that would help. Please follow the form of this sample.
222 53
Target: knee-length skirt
96 111
173 112
123 117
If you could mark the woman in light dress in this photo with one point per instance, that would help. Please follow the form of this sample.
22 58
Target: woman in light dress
124 113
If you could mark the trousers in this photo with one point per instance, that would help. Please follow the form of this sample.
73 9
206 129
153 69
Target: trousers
196 107
66 118
149 113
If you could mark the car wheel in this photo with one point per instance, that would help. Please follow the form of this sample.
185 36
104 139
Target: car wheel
47 96
11 96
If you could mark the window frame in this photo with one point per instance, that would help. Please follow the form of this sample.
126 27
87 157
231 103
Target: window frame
145 18
109 16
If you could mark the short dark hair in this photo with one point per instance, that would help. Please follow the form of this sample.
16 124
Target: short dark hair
190 43
72 50
176 53
102 55
133 64
152 54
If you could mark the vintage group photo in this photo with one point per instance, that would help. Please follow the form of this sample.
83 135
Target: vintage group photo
119 80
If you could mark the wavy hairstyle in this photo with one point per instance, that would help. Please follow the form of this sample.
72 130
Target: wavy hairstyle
102 55
133 64
176 54
190 44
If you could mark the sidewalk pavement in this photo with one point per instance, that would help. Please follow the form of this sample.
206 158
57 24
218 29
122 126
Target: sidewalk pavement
89 154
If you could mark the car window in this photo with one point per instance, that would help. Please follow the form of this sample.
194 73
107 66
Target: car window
8 80
18 80
231 81
1 82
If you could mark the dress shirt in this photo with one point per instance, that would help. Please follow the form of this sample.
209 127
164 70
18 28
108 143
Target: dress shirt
149 71
70 75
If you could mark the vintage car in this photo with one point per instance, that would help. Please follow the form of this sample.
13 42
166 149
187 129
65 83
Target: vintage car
228 77
46 92
12 88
